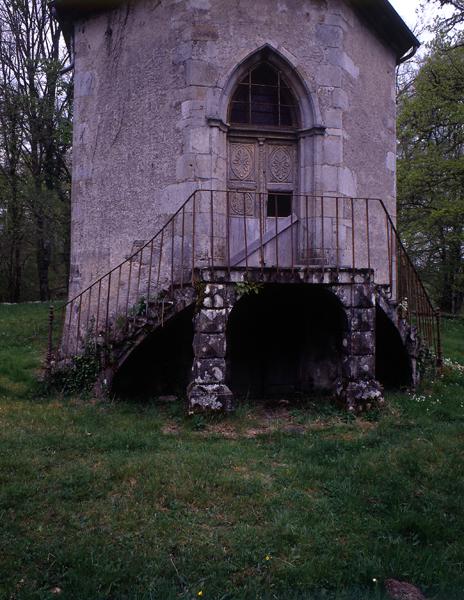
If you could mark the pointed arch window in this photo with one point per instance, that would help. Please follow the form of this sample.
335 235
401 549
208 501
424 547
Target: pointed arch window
263 98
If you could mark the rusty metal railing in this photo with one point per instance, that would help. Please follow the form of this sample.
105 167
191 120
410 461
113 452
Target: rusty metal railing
246 231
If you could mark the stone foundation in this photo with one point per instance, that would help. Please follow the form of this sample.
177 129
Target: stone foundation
208 391
358 389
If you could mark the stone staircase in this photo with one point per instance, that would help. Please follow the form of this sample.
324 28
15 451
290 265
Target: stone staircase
192 253
123 338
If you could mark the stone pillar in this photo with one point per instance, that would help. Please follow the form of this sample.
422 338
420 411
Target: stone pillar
207 390
359 390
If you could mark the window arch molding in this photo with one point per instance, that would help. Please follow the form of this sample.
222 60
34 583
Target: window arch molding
309 114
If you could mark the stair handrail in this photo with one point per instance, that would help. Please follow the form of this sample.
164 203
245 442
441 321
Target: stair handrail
53 310
406 254
427 319
432 331
132 256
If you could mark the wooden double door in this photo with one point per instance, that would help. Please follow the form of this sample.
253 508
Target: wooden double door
262 184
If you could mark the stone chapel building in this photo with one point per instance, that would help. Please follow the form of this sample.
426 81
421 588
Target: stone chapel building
233 201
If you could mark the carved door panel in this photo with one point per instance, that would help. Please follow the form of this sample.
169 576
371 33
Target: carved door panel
245 183
262 175
280 168
280 173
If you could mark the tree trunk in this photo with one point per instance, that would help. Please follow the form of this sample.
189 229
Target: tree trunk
451 294
15 272
42 257
14 225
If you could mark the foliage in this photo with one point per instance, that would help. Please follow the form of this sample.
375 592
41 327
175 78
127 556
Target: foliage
200 293
449 22
126 500
35 140
426 364
79 376
139 309
431 174
248 287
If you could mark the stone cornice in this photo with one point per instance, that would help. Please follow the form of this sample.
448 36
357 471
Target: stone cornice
312 131
217 122
243 130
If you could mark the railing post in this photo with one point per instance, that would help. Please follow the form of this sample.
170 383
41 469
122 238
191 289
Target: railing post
173 235
337 241
193 236
51 317
368 240
228 225
107 318
211 216
353 254
276 233
245 233
322 238
439 347
182 238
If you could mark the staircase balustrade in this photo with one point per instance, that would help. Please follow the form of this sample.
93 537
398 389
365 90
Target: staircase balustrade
245 232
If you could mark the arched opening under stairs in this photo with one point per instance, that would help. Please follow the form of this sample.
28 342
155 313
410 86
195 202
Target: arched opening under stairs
286 340
161 364
392 362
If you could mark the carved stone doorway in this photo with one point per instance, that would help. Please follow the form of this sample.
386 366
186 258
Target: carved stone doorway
262 168
262 183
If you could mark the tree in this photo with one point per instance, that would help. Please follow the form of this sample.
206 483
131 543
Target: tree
431 173
35 107
12 208
449 23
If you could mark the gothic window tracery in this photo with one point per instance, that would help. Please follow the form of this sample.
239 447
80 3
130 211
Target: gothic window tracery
263 98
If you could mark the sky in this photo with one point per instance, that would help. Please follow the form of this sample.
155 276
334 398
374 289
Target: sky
411 13
407 9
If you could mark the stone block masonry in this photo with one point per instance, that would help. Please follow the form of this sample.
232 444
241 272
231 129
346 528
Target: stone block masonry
208 390
152 95
154 88
357 389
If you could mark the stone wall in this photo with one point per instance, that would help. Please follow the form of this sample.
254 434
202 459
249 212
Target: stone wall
357 388
152 83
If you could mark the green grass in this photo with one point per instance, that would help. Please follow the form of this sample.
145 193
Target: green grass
453 330
23 330
108 500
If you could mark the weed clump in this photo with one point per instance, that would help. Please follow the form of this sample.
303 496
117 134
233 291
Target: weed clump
78 375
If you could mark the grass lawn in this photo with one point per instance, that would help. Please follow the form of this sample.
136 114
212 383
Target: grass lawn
106 500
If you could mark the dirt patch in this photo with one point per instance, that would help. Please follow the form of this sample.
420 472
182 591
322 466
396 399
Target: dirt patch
312 492
347 436
358 430
240 469
171 428
264 420
223 429
366 425
295 428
